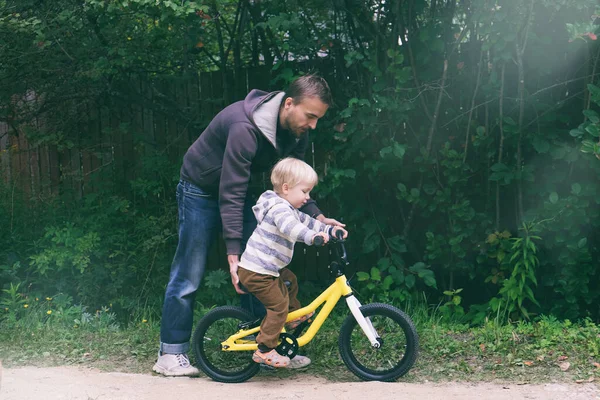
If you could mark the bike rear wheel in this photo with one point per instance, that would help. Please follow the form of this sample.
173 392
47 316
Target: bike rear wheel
398 338
222 366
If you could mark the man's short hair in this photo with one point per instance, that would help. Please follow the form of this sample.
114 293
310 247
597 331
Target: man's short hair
309 86
292 171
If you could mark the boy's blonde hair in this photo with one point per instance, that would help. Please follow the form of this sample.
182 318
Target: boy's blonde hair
292 171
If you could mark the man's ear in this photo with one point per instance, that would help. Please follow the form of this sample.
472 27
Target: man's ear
288 102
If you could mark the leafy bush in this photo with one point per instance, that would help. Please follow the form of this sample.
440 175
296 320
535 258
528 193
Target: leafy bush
454 127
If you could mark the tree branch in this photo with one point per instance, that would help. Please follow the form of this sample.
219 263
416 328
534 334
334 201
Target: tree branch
589 99
429 145
473 105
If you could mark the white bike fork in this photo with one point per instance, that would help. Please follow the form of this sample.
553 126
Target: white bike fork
364 323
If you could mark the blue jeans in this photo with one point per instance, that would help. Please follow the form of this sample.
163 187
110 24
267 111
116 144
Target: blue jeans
199 225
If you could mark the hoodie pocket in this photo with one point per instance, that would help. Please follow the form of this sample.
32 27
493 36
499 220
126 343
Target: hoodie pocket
211 175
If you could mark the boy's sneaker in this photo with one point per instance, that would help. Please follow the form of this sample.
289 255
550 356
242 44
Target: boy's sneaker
175 365
299 362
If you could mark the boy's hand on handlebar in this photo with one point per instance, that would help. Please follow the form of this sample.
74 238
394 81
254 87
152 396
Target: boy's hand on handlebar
336 229
323 238
233 260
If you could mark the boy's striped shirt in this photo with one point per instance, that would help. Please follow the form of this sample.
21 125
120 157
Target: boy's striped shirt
280 226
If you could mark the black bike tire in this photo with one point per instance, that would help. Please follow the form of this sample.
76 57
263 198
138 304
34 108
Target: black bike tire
203 361
410 333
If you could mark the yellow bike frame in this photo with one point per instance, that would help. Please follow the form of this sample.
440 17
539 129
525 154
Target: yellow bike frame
330 297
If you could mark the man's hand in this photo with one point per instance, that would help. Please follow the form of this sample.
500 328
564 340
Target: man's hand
329 221
233 260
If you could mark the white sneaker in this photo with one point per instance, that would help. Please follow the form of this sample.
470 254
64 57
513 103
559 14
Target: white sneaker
175 365
299 362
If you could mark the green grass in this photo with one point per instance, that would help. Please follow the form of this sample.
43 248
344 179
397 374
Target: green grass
125 350
523 353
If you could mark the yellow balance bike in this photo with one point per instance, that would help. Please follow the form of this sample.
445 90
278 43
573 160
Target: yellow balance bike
377 342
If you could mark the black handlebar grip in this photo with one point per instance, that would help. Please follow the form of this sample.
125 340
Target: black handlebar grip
318 241
339 234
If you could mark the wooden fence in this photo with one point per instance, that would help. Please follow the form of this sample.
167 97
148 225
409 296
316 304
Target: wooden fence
40 172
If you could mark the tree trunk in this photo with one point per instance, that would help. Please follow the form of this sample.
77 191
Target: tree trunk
501 144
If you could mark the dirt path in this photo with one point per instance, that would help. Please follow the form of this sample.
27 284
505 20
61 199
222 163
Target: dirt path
72 383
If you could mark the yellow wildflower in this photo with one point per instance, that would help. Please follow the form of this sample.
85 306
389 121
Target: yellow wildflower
144 321
26 305
49 298
49 312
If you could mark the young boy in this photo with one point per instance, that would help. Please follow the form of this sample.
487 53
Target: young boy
270 249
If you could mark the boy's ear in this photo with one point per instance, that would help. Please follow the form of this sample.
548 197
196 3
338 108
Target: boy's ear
285 188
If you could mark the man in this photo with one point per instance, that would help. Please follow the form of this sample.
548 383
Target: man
246 137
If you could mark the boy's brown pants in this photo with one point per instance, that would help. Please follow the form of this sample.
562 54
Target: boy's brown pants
277 299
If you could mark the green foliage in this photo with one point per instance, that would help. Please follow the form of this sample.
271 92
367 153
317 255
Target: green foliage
519 284
452 126
452 309
589 130
72 249
104 240
442 181
12 303
34 312
217 289
102 249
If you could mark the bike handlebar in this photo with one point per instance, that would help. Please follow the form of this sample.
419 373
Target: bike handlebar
336 268
338 236
318 241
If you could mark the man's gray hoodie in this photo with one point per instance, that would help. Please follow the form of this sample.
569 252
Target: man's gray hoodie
280 226
241 140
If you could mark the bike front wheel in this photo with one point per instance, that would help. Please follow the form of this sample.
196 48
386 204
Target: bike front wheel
222 366
398 340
